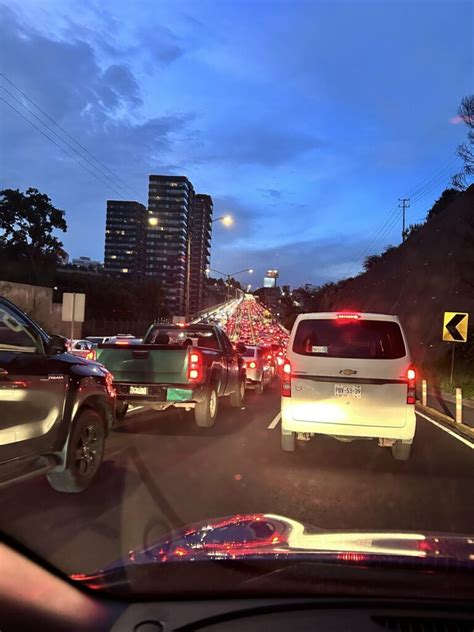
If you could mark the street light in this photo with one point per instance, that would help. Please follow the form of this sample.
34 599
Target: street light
249 270
227 220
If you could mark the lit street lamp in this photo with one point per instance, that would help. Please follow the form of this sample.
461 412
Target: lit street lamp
227 220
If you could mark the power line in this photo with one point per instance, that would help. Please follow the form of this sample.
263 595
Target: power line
104 166
418 192
59 137
108 184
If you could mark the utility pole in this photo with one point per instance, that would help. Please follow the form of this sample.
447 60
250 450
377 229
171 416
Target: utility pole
405 203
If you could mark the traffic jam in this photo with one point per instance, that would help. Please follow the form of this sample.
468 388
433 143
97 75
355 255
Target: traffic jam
265 341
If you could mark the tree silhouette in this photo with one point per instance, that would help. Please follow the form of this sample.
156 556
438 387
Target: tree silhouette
27 222
466 150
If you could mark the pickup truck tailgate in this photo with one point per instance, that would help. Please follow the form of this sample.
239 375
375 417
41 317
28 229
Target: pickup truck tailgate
145 364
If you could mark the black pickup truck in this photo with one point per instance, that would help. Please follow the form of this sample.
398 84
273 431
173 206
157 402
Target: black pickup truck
55 408
184 366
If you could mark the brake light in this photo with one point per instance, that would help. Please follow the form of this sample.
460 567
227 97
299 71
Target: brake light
348 316
252 365
91 355
286 380
411 385
195 369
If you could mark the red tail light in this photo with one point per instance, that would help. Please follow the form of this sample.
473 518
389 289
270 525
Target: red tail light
195 368
348 316
91 355
286 380
252 365
411 385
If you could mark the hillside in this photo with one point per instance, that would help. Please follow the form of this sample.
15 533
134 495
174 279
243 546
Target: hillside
431 272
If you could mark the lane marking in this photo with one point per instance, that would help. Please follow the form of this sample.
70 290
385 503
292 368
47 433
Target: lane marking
448 430
275 422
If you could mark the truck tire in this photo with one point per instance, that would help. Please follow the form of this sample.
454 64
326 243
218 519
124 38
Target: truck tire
259 387
205 412
288 442
121 410
84 455
401 451
237 397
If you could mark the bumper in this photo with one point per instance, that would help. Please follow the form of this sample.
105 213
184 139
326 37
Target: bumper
253 377
404 433
163 395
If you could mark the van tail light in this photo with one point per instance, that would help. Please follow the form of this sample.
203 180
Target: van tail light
91 355
252 365
411 385
286 380
195 366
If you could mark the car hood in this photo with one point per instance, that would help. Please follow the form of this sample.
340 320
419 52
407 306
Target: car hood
270 536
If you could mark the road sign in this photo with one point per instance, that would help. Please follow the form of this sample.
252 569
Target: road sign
455 326
74 306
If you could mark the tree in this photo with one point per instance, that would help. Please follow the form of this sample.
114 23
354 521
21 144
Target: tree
447 197
371 261
411 230
27 222
466 150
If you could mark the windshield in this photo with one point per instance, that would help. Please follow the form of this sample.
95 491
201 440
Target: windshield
236 284
250 352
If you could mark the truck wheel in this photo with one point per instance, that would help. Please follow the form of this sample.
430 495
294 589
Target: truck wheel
236 398
401 451
288 442
121 410
205 412
84 453
259 387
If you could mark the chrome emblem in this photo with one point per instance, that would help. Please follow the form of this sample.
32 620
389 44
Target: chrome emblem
347 372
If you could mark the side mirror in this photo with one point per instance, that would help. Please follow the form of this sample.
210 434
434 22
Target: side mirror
56 344
240 347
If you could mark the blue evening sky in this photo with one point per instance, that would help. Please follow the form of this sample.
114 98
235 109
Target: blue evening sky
305 120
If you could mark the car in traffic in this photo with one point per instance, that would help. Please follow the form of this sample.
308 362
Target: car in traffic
350 376
98 339
180 366
56 408
83 348
259 370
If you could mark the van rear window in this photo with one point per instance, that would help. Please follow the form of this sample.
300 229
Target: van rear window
364 339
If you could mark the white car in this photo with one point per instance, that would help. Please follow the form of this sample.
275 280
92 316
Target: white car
349 375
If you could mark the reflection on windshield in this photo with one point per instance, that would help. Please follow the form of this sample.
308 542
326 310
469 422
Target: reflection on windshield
236 294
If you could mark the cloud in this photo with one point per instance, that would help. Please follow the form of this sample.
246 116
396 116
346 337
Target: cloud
99 106
272 193
300 261
267 145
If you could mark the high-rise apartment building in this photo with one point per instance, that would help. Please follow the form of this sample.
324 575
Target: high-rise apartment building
124 238
200 250
170 208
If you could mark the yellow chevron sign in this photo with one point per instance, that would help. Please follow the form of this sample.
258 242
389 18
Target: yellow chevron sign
455 326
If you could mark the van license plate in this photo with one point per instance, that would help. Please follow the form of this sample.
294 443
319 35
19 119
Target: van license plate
138 390
348 390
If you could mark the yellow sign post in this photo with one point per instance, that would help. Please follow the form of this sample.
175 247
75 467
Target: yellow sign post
455 330
455 326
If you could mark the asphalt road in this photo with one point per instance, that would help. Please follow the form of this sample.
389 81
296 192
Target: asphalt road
162 471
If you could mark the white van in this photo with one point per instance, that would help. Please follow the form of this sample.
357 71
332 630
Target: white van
349 375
